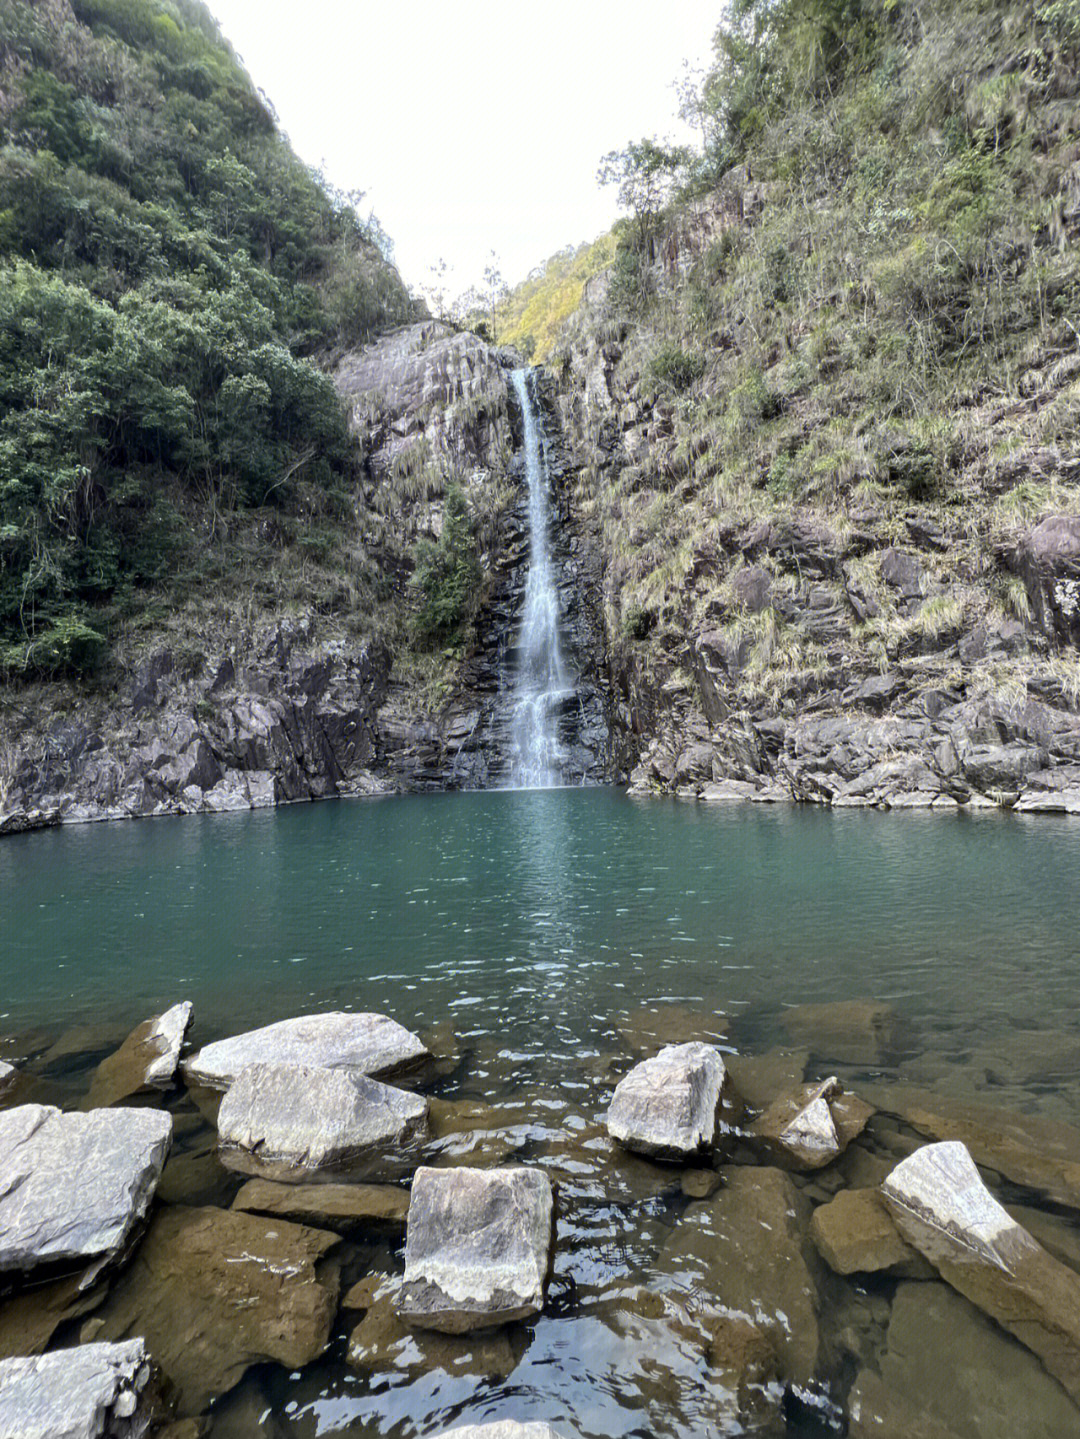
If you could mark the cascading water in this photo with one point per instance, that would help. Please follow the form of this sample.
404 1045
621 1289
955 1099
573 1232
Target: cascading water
542 686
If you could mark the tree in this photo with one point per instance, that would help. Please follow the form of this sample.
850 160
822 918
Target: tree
495 290
646 173
447 573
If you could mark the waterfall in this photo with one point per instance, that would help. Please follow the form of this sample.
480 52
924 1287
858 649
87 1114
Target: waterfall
541 685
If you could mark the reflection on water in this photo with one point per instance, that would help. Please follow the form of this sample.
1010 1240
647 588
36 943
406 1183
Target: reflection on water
538 924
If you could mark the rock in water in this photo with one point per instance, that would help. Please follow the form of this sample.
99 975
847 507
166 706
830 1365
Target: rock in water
813 1125
341 1207
96 1391
8 1076
942 1207
213 1292
854 1235
478 1248
147 1059
666 1107
292 1118
368 1044
75 1186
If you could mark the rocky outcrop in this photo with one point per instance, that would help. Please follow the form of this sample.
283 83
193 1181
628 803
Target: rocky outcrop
292 1120
941 1206
478 1248
369 1044
667 1107
95 1391
1048 558
146 1060
76 1187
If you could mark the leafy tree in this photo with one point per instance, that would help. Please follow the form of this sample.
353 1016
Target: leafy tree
646 173
447 573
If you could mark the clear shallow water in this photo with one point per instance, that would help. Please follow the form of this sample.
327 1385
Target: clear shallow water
538 924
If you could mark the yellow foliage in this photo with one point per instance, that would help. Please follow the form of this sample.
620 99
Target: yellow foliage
536 310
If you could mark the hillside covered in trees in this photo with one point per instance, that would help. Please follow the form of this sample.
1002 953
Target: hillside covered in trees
169 271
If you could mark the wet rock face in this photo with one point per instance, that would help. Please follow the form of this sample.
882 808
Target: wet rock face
478 1247
213 1292
942 1208
666 1107
146 1060
289 1120
95 1391
75 1187
367 1044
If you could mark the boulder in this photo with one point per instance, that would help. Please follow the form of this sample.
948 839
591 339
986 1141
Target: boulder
902 571
667 1106
75 1187
478 1247
147 1059
854 1235
213 1292
501 1429
368 1044
744 1249
941 1207
292 1119
341 1207
812 1125
95 1391
949 1373
1049 562
753 588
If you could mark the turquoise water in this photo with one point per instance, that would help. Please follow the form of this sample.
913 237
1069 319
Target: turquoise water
537 926
512 910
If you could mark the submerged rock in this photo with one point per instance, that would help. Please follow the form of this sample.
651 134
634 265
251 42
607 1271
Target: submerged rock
744 1249
147 1059
341 1207
949 1373
367 1044
214 1291
667 1107
291 1119
29 1320
95 1391
854 1235
649 1028
812 1126
942 1207
862 1032
478 1247
74 1187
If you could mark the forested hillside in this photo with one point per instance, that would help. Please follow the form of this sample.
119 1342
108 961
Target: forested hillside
829 387
168 272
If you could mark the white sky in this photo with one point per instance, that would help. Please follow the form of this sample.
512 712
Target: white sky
471 126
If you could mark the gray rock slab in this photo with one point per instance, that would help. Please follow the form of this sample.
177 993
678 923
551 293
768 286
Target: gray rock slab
147 1059
666 1107
941 1207
368 1044
73 1187
503 1429
294 1117
478 1247
95 1391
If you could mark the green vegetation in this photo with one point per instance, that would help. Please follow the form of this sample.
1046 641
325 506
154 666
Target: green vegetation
862 294
531 317
168 272
447 574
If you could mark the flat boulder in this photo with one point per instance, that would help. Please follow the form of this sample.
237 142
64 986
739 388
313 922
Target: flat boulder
146 1060
478 1248
667 1107
341 1207
861 1032
854 1234
75 1187
368 1044
95 1391
290 1120
811 1125
942 1208
213 1292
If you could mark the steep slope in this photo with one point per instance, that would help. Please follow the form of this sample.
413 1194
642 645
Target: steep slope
827 414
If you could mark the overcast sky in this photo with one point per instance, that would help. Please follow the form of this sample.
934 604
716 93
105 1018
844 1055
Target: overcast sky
471 126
